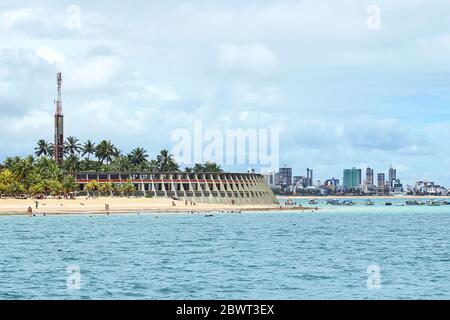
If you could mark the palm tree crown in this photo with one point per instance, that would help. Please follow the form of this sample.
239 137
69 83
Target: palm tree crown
72 146
42 149
138 156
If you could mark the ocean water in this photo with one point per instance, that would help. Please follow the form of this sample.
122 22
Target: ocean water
287 255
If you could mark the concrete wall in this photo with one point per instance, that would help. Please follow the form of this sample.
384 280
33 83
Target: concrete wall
224 188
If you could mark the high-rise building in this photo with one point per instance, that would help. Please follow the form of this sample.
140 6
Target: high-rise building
352 178
392 176
309 176
331 182
59 124
369 176
381 180
270 178
285 177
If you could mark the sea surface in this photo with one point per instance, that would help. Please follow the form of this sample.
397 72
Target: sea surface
282 255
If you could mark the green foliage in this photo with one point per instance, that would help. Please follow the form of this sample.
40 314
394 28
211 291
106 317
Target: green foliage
207 167
91 187
70 184
55 187
72 146
43 176
127 189
106 189
37 188
6 179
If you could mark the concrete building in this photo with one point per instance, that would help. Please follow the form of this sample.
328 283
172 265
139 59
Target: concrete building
224 188
381 181
285 178
392 177
309 177
352 178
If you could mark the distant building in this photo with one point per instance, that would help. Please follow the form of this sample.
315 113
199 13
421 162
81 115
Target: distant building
392 176
381 182
300 181
285 178
270 178
369 176
397 187
352 178
331 182
309 176
332 185
429 188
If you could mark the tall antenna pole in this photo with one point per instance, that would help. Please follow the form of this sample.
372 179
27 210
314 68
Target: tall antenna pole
59 123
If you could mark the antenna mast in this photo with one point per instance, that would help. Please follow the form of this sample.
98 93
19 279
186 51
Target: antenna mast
59 123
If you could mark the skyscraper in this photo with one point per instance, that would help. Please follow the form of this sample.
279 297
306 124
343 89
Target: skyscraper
369 176
392 176
285 177
381 180
352 178
59 124
309 176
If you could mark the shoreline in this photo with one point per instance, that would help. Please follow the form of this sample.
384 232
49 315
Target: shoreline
117 205
363 197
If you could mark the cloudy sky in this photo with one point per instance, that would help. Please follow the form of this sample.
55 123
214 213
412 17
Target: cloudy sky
342 94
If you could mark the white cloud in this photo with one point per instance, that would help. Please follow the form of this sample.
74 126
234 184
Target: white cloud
254 57
161 93
9 18
94 72
50 55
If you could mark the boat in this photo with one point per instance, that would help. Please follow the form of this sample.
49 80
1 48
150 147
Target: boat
433 203
369 202
289 202
313 201
388 203
348 203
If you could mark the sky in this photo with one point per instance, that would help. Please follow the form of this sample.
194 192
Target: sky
342 92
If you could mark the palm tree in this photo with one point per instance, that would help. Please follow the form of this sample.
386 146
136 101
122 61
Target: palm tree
70 184
72 163
88 149
9 162
23 167
42 149
138 156
106 151
121 164
212 167
166 162
51 150
72 146
198 168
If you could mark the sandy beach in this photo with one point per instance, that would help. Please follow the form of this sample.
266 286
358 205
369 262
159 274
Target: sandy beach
120 205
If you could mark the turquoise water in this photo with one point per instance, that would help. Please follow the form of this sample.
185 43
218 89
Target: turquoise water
321 255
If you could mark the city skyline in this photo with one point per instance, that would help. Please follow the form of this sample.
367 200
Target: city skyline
218 64
356 177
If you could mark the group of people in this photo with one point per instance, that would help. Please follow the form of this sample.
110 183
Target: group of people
191 203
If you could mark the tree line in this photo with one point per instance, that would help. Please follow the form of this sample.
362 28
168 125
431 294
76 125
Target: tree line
39 175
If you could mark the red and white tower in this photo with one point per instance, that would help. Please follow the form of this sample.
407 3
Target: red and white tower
59 124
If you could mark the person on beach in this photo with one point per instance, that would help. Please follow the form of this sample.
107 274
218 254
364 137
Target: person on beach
37 204
173 204
30 211
107 208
